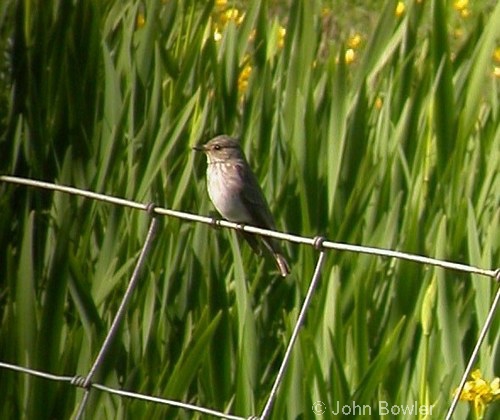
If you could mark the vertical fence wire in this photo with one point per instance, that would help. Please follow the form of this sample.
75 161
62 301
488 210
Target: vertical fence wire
475 352
115 325
295 333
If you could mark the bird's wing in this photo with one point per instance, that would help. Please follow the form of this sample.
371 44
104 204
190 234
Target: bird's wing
253 198
256 205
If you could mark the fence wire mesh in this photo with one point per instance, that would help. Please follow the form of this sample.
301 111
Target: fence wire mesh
319 243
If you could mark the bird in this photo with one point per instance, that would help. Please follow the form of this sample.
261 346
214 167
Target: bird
237 196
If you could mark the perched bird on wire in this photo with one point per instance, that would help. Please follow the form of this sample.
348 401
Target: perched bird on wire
237 196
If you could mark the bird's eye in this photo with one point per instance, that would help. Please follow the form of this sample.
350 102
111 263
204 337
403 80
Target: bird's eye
217 146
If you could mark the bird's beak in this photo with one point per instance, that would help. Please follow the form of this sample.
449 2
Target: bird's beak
199 148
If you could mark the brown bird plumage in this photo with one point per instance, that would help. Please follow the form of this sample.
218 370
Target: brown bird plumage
237 196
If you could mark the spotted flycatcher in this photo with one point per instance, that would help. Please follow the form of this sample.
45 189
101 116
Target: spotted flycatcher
236 194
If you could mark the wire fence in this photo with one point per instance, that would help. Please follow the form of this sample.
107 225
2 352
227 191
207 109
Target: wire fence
319 243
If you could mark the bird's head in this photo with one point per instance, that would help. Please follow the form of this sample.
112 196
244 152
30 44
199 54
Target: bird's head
220 149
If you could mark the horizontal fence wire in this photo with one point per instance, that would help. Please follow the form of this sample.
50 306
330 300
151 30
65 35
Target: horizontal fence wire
321 244
79 381
339 246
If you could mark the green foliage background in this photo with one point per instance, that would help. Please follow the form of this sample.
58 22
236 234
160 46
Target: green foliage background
400 149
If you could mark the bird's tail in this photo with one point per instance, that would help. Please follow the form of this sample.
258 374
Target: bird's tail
275 249
282 264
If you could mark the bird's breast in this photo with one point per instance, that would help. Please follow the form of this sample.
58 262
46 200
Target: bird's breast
224 188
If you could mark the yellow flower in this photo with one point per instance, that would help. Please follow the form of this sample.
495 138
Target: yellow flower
220 3
495 388
462 6
243 78
140 21
217 34
465 13
400 8
379 102
480 393
281 36
222 18
354 41
350 56
232 14
496 60
496 55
